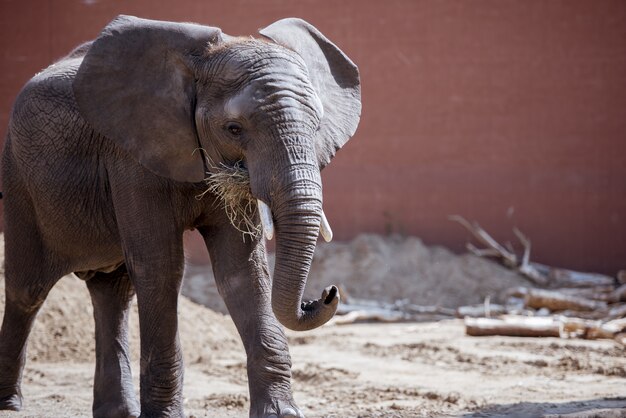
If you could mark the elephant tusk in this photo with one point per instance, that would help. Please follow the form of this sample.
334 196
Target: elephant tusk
266 219
327 233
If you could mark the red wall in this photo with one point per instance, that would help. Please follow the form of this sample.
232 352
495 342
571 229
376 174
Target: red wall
507 111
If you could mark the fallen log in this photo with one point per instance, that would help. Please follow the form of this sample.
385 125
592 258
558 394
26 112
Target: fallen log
555 301
513 326
525 326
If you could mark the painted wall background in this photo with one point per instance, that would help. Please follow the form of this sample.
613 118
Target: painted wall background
509 112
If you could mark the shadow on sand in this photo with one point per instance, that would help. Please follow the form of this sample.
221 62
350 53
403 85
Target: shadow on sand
593 408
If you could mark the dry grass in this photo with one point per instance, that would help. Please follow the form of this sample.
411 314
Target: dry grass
232 185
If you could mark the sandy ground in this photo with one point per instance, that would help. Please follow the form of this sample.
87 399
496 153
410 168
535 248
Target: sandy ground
362 370
373 370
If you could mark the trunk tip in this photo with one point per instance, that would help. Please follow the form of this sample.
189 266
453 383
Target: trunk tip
330 294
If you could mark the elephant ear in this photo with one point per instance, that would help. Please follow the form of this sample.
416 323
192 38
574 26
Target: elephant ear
136 87
334 76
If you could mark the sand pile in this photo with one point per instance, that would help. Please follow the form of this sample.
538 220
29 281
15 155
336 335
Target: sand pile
396 267
386 269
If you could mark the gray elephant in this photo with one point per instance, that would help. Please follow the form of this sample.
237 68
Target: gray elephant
104 168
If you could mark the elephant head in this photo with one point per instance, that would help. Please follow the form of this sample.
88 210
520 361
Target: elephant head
281 106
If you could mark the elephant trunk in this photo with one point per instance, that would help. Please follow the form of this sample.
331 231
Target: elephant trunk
297 221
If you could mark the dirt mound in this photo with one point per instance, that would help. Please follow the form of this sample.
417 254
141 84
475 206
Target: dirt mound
386 269
396 267
64 328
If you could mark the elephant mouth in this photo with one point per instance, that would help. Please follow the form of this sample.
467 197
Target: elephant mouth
231 184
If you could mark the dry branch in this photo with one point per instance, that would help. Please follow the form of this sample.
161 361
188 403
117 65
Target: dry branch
506 256
493 247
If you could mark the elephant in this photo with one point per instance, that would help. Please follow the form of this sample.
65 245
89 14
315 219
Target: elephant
109 158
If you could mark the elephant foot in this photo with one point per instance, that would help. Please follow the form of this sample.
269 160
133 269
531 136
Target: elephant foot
110 410
275 409
11 402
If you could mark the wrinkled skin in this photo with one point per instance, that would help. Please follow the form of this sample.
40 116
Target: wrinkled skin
101 179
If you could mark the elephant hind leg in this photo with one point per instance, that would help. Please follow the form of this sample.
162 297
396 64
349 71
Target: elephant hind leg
29 276
114 394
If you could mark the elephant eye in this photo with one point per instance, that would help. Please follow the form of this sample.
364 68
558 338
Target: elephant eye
234 128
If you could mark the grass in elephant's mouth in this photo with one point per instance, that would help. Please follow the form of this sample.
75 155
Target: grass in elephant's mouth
232 185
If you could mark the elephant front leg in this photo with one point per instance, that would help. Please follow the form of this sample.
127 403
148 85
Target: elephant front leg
269 368
242 278
161 363
155 266
152 244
